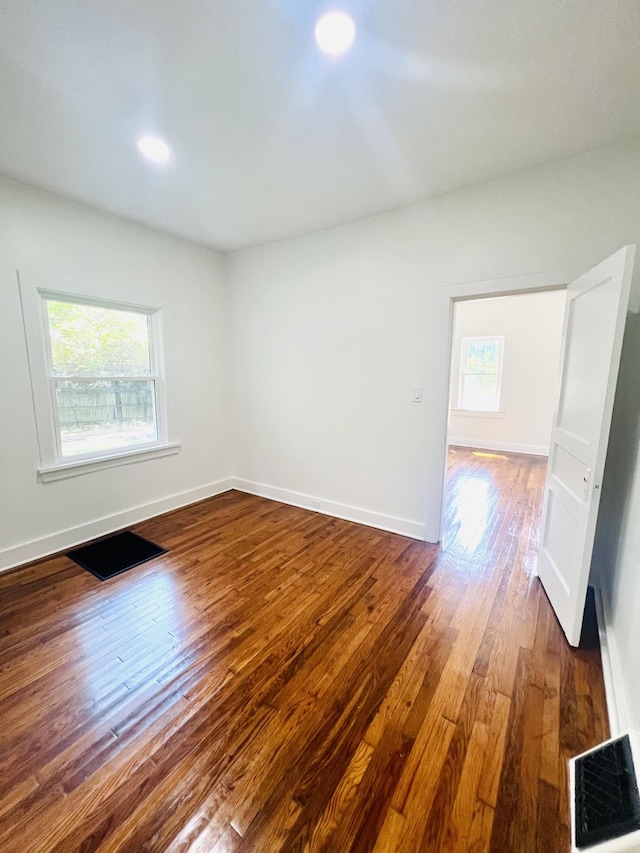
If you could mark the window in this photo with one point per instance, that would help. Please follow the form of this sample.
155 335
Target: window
97 378
481 374
102 384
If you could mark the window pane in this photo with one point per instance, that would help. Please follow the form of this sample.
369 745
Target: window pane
87 340
482 357
105 415
480 393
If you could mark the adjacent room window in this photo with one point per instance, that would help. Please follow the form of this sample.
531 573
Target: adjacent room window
97 378
481 374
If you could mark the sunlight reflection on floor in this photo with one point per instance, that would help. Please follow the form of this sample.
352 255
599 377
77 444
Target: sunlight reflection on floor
150 596
474 501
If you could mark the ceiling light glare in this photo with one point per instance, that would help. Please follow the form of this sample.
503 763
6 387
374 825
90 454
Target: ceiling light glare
154 149
335 32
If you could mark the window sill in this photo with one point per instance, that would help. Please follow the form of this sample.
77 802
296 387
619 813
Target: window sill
86 466
469 413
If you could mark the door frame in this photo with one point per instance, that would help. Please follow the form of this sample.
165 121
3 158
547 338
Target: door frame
509 286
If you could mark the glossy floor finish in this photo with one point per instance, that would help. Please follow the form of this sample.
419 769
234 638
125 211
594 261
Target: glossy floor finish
284 681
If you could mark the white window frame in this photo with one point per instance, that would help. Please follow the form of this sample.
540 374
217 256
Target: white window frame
463 361
34 292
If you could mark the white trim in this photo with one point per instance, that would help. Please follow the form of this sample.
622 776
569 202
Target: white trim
614 683
58 290
34 291
529 282
448 294
113 460
403 526
507 446
64 539
476 413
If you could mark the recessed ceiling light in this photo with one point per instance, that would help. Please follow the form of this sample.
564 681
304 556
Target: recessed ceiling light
154 148
335 32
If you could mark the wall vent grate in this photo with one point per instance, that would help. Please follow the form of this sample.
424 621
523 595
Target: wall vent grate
606 793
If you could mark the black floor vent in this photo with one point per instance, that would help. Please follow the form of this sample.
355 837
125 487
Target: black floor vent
607 804
115 554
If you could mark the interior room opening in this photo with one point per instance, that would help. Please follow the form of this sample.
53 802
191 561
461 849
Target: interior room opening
505 362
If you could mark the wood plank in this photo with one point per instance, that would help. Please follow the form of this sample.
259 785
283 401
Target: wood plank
285 681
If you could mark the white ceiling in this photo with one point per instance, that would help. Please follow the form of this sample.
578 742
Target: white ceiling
271 139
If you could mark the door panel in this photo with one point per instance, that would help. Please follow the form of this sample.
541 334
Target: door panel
592 341
568 472
589 340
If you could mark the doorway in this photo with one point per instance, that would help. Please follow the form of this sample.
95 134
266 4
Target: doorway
505 355
593 328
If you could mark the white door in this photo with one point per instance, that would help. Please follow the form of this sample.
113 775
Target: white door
592 339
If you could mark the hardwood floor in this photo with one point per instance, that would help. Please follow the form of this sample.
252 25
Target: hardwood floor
284 681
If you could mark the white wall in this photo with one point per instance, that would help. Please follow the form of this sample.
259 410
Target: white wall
617 550
332 331
330 334
532 328
43 234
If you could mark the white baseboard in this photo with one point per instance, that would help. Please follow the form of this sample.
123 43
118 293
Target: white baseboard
612 670
403 526
509 447
64 539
